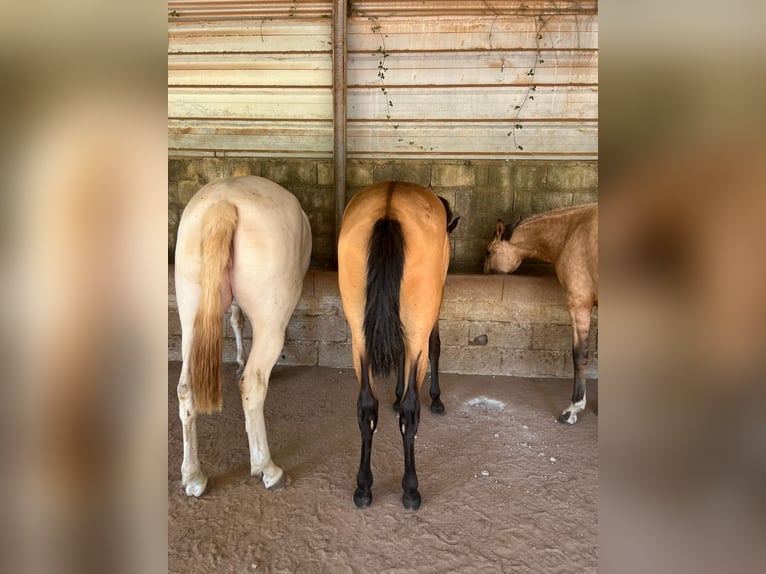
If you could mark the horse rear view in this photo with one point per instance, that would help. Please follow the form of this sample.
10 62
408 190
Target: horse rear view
393 254
245 239
568 238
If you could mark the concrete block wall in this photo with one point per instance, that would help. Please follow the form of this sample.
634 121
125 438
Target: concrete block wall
479 191
489 324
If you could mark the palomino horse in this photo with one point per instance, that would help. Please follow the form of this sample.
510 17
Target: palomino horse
568 238
393 254
243 238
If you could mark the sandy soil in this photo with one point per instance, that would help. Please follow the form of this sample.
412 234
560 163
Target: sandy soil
505 488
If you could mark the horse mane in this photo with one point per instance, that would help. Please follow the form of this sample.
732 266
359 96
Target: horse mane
549 214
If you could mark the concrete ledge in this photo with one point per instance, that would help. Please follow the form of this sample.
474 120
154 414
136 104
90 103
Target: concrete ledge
490 324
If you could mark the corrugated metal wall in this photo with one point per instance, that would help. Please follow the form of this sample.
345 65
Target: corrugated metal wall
444 78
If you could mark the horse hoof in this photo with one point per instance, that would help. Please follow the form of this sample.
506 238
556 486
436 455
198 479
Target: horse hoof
196 487
362 498
437 407
280 484
567 418
411 500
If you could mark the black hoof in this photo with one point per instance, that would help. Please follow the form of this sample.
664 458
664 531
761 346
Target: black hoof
565 418
437 407
396 406
362 498
411 500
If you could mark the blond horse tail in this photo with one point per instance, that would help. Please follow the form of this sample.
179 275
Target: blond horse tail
218 225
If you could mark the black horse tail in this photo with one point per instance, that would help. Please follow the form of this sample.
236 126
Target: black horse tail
383 337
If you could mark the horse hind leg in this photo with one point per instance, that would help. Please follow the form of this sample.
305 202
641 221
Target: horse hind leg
193 479
580 329
434 352
238 324
399 384
409 420
253 386
367 414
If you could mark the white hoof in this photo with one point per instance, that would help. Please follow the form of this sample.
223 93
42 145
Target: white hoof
569 416
196 486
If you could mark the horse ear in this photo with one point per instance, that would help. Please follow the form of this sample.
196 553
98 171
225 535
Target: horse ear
499 229
509 229
451 227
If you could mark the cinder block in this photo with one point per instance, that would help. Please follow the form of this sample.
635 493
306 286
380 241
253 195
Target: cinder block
204 170
336 355
469 255
359 174
462 174
413 171
235 167
535 313
546 201
532 363
473 287
453 333
325 173
465 309
172 193
178 169
552 337
186 190
500 176
533 289
583 197
568 176
529 175
298 353
290 172
325 327
507 335
470 360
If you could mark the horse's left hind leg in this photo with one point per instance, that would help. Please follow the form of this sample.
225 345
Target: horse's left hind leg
238 324
193 479
253 386
580 329
399 385
367 414
434 352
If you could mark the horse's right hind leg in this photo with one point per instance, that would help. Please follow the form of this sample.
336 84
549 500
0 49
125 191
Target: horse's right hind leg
580 329
434 352
253 386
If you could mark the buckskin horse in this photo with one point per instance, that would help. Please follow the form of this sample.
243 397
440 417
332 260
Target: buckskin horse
393 255
568 238
245 239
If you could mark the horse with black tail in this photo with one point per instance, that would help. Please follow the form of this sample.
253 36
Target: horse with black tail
393 255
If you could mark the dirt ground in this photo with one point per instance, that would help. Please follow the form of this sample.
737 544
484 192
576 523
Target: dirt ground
505 488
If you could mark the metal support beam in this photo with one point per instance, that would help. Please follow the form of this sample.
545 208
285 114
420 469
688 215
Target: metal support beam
339 17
